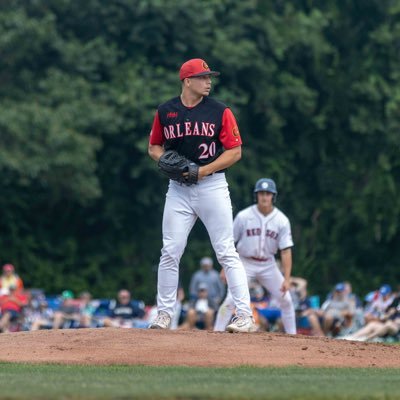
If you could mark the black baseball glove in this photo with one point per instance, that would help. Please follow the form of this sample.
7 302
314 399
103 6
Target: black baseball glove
173 165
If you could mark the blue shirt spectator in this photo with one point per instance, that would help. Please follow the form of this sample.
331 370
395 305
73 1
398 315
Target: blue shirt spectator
125 312
209 276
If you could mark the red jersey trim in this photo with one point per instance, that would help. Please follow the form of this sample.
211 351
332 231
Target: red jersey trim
229 135
156 134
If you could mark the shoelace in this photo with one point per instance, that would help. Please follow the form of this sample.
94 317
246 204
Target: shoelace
239 320
162 318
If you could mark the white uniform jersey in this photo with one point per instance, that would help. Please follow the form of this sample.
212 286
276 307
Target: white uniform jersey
259 236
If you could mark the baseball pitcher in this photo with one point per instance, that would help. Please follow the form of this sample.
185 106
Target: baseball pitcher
194 139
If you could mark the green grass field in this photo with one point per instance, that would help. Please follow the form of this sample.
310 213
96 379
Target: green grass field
23 381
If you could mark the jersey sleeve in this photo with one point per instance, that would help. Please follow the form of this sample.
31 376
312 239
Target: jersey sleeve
156 134
229 135
285 237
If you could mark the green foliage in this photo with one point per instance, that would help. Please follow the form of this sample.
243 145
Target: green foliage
315 88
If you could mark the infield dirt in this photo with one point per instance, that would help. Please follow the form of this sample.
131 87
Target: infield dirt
191 348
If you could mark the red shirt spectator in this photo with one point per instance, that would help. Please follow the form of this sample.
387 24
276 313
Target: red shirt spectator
11 306
14 301
9 278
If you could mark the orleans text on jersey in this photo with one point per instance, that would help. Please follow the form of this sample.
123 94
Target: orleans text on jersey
200 133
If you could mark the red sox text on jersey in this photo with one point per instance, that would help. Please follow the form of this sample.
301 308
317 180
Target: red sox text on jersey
257 232
260 236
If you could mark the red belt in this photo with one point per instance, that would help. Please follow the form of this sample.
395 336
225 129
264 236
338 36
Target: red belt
260 259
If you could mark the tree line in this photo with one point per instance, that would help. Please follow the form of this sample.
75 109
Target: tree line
315 88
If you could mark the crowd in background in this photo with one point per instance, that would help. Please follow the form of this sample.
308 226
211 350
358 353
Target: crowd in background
342 314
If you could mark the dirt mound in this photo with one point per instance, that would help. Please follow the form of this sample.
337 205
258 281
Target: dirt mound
191 348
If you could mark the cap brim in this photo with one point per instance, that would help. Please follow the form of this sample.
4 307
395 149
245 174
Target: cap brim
265 190
213 73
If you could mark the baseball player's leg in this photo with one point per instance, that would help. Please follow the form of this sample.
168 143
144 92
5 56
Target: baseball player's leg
176 316
216 213
271 278
178 220
224 314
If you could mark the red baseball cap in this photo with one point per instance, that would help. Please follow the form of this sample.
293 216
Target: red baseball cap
8 267
195 67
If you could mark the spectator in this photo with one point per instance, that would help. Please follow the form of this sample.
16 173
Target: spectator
380 301
86 310
11 306
358 318
68 315
306 317
267 308
39 316
10 278
298 290
208 275
125 313
389 324
348 290
201 310
337 312
260 303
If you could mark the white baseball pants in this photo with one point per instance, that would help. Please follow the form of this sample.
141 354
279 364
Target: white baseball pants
210 201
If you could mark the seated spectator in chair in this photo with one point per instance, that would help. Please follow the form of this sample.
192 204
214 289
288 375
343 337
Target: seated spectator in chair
11 306
259 302
201 311
10 278
358 318
272 314
41 317
68 315
381 299
337 312
306 317
209 276
125 312
86 310
389 324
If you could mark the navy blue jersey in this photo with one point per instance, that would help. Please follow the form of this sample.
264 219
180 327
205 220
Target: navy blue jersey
200 133
134 309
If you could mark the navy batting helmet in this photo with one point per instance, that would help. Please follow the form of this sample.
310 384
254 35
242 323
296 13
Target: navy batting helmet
265 185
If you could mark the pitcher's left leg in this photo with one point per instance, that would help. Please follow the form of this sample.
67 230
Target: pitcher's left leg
224 314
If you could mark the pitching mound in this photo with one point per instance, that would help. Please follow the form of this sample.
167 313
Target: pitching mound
190 348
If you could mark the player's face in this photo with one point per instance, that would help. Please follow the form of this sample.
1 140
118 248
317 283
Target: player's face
264 199
200 85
